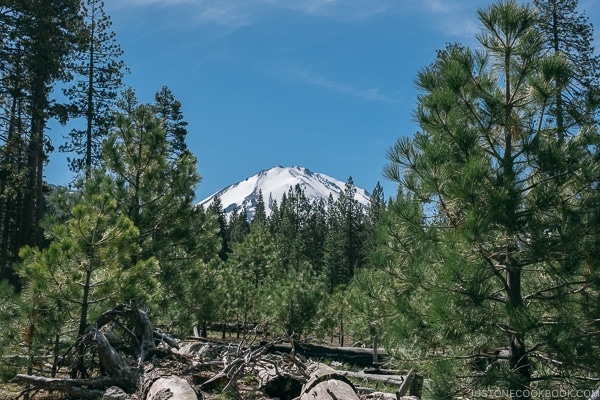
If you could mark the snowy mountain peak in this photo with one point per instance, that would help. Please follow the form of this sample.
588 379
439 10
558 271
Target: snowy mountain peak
274 183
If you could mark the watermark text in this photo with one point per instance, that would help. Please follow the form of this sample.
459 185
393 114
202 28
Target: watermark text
532 393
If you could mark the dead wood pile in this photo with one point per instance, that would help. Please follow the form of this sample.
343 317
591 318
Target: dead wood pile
122 357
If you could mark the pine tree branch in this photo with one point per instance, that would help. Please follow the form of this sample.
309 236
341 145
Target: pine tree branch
539 295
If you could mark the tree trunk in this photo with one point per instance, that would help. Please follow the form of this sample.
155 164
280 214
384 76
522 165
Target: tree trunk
518 357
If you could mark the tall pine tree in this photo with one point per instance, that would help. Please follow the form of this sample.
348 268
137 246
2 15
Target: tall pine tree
344 243
168 109
97 72
155 186
36 38
568 33
88 266
489 245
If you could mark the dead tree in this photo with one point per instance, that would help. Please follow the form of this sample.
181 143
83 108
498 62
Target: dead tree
124 341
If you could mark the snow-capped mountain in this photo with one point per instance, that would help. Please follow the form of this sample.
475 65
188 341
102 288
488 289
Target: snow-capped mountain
274 183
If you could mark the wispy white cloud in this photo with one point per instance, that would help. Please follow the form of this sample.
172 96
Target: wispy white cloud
439 6
236 13
339 9
223 14
226 13
308 77
455 17
125 3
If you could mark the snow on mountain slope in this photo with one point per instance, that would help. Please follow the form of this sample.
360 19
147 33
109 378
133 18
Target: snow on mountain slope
274 183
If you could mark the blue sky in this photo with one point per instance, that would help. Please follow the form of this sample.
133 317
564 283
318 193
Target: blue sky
325 84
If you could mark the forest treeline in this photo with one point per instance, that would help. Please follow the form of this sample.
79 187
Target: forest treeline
481 272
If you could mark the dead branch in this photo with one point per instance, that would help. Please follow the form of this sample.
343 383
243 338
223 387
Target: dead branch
72 387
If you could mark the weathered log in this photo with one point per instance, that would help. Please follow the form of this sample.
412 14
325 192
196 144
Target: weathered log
109 358
278 383
357 356
119 373
405 386
387 396
172 387
144 332
326 383
166 338
208 340
115 393
201 349
410 382
72 387
387 379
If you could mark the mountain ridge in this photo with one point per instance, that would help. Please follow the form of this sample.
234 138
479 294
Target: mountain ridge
274 183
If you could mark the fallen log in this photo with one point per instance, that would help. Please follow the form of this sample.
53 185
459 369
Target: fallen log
356 356
71 387
172 387
410 382
387 379
276 382
326 383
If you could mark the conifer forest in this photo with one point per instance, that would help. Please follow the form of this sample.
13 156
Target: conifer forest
481 273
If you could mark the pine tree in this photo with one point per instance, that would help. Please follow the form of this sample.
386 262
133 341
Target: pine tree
238 226
344 244
168 109
293 303
568 33
36 39
215 208
253 262
128 102
290 223
377 207
155 187
205 298
260 213
97 74
14 125
313 235
336 315
488 243
11 318
88 266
